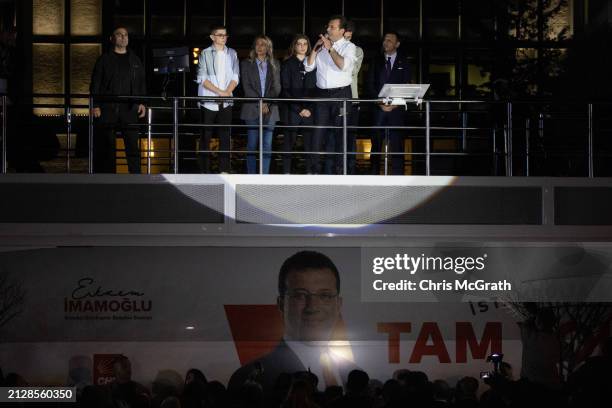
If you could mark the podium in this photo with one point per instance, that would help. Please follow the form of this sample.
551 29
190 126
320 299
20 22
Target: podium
401 94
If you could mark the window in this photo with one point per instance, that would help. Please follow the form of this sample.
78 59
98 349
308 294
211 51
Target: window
130 14
478 19
317 15
86 17
402 16
203 16
283 22
245 22
48 17
166 18
441 19
366 16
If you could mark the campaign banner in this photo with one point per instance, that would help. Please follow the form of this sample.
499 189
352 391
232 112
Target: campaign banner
219 308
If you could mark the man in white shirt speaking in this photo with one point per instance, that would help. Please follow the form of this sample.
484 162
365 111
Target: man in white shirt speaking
333 57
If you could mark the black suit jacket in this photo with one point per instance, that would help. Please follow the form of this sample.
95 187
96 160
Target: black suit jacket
400 74
297 83
280 360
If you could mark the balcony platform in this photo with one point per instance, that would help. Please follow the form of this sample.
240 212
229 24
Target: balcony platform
287 209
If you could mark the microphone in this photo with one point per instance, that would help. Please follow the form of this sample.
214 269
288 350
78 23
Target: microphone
319 43
318 46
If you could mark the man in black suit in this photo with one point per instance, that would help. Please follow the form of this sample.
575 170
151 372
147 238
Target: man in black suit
310 302
388 68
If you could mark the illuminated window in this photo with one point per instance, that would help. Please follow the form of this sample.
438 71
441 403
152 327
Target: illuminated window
557 24
86 17
48 17
48 76
479 65
82 60
559 21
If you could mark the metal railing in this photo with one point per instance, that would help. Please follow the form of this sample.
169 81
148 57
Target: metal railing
4 164
179 105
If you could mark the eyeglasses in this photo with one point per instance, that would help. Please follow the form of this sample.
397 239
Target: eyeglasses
220 35
300 296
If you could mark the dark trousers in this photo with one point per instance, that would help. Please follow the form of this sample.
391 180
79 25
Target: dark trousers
221 117
395 141
331 114
294 119
123 118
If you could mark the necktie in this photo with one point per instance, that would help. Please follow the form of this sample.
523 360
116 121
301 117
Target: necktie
387 69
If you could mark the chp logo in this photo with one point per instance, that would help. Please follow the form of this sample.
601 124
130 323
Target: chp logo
103 368
89 300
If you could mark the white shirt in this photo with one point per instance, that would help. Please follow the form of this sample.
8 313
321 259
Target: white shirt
220 57
328 73
310 356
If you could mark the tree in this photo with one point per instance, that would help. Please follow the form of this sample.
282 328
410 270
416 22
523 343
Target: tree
577 327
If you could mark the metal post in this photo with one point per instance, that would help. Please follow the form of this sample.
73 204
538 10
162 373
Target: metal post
175 132
427 140
590 141
4 133
463 131
68 135
90 136
527 134
386 150
541 131
508 139
344 138
149 141
495 158
260 136
541 126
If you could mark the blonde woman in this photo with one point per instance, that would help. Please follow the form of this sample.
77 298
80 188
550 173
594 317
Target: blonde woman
260 77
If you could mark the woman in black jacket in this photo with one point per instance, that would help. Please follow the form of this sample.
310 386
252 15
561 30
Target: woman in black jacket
297 83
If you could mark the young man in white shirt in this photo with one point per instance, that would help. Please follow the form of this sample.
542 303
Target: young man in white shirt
218 75
334 58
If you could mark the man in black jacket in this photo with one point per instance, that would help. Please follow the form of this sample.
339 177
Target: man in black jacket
117 72
388 68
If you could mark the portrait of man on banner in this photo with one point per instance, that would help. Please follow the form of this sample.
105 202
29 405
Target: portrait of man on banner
312 339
